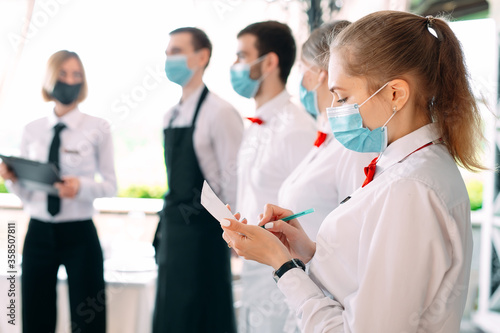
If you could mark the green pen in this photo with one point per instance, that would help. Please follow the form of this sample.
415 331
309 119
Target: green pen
294 216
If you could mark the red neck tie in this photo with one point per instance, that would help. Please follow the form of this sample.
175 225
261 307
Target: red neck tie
320 139
370 171
256 120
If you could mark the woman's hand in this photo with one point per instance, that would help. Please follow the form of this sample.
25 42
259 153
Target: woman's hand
237 216
254 243
290 233
69 187
6 173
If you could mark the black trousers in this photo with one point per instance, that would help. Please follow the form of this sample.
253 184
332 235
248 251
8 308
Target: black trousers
76 246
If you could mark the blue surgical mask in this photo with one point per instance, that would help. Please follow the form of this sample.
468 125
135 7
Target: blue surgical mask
347 127
241 81
177 69
309 99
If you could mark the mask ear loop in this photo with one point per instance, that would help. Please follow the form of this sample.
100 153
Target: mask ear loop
315 87
321 82
325 77
376 92
384 127
393 114
259 59
310 68
195 67
256 61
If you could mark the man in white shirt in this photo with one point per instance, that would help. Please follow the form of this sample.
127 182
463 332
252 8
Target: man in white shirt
279 137
202 138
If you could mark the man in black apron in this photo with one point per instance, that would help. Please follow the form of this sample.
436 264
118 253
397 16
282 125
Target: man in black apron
194 291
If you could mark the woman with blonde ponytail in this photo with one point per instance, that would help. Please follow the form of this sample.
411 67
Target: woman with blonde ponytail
395 255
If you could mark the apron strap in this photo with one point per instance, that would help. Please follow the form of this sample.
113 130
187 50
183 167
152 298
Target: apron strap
198 106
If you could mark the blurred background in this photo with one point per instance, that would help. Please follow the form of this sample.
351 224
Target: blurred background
122 45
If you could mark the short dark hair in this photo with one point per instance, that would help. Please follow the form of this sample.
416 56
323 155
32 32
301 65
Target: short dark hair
273 36
198 37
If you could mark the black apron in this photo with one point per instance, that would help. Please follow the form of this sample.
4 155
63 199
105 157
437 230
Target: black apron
194 274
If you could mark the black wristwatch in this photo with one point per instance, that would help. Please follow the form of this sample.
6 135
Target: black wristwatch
294 263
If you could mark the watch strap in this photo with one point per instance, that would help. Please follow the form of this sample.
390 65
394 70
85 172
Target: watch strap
294 263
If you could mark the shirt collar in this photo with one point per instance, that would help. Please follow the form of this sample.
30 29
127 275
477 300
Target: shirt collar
406 145
70 119
323 124
190 102
267 111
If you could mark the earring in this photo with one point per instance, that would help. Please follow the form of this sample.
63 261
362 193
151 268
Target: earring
394 109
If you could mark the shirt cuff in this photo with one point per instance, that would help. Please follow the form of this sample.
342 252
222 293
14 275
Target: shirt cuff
13 187
298 287
85 190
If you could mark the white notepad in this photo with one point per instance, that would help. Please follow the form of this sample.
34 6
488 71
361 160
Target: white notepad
213 204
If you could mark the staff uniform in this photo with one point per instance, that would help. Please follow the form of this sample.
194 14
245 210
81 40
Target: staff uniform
396 256
194 294
216 139
326 176
268 154
68 238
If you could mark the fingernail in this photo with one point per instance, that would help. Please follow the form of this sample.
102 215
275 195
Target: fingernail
269 225
225 223
244 219
237 213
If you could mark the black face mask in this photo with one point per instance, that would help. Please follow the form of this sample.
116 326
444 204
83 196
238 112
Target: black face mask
66 93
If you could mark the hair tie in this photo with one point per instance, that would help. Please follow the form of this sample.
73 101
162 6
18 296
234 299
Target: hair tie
430 26
430 21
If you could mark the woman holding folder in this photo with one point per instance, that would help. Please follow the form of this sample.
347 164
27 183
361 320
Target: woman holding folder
61 230
395 256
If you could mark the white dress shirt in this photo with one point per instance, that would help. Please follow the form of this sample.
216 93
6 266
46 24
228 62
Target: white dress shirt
86 151
216 139
268 154
396 256
326 176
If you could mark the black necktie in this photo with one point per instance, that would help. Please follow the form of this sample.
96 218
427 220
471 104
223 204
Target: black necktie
54 202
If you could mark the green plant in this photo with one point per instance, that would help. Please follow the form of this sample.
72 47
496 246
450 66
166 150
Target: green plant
475 190
142 191
3 189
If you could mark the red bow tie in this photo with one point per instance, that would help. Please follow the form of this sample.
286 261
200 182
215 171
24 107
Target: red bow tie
370 171
320 139
256 120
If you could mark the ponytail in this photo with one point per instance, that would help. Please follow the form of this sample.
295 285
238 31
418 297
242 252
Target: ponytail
454 107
